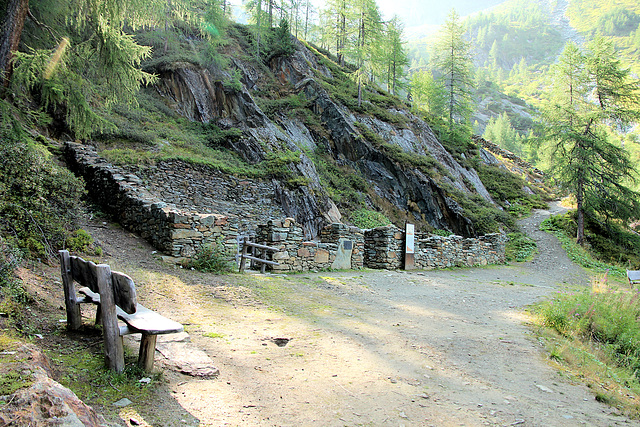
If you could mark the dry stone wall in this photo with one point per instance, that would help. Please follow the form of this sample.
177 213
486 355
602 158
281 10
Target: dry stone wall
340 247
385 250
179 208
174 231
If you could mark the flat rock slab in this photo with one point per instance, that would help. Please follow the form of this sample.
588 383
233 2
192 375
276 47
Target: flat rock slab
181 355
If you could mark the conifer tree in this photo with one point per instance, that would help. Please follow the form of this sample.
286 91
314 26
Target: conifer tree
591 92
452 62
395 58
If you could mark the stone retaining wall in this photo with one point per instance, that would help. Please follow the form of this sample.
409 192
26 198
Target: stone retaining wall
384 249
123 195
340 248
180 232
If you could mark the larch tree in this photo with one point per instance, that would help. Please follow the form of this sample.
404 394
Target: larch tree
395 59
592 96
454 67
89 57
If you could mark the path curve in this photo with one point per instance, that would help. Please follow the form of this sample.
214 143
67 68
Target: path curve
423 348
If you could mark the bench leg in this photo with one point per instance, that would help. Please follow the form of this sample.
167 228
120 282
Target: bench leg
74 318
147 352
98 315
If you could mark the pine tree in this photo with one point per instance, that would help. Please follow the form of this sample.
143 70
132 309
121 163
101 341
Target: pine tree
453 63
591 92
429 95
90 57
395 58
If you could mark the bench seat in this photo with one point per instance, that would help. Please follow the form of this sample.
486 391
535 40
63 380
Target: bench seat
142 321
114 294
634 277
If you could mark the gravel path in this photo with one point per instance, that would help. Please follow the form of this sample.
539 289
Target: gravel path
427 348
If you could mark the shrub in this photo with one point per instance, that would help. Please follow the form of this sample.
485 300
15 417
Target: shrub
38 198
211 258
366 218
608 318
520 247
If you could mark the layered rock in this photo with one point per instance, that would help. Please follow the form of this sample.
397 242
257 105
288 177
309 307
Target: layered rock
200 95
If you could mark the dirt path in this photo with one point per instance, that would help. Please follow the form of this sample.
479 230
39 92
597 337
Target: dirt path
434 348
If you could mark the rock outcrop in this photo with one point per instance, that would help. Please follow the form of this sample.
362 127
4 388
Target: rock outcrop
201 95
45 402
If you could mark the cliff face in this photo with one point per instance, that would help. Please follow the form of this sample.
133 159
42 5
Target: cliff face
200 95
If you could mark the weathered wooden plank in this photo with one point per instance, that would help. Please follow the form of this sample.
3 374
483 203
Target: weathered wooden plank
150 322
260 260
143 320
243 257
124 291
113 350
259 246
84 272
633 276
74 316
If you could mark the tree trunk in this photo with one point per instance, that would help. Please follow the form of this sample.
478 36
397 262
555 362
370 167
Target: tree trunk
166 27
580 209
10 34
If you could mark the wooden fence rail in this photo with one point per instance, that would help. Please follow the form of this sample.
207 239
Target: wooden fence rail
244 255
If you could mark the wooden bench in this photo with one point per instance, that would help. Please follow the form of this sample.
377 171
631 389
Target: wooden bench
633 276
114 294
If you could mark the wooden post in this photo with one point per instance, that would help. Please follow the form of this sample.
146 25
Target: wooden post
243 256
74 317
113 351
147 352
263 268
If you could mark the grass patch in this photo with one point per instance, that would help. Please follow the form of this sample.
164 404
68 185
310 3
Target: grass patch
507 189
595 336
367 218
85 374
520 247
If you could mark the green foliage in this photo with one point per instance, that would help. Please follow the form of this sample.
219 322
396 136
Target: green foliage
11 382
277 164
211 258
235 82
520 247
81 241
38 199
485 217
367 218
512 31
608 318
280 43
84 372
342 183
217 137
453 63
507 189
290 105
11 290
619 21
500 131
591 93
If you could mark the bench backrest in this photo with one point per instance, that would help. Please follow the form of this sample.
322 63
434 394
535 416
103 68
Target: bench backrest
124 290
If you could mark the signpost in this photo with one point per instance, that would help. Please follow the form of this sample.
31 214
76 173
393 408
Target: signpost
409 247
